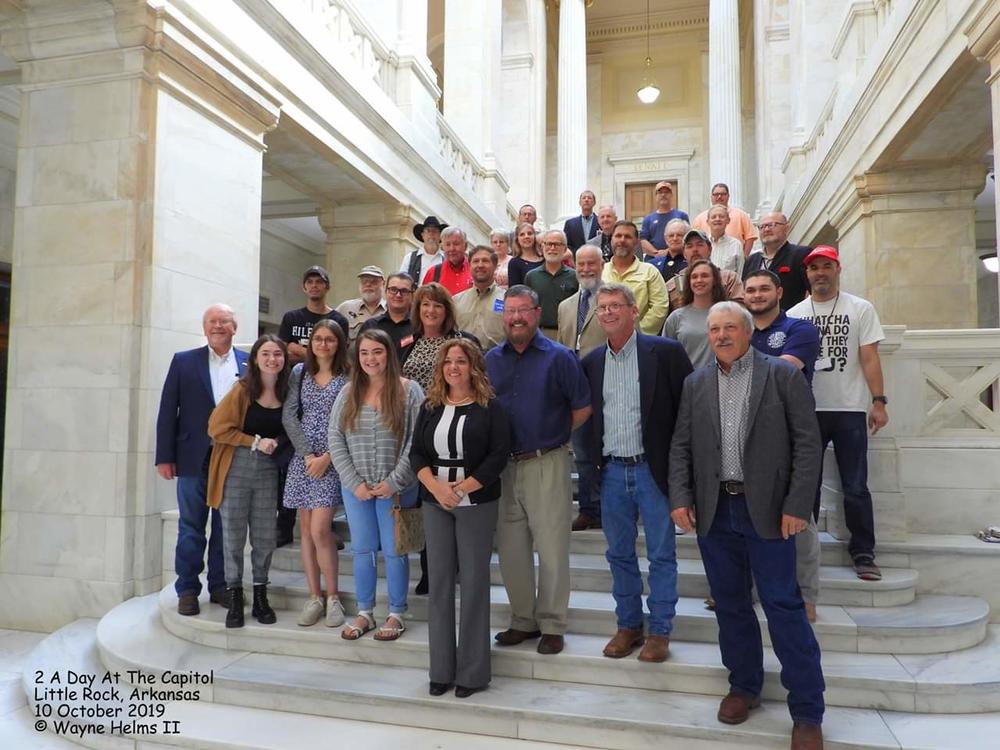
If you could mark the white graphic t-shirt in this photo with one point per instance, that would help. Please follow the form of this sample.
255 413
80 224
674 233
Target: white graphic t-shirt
845 323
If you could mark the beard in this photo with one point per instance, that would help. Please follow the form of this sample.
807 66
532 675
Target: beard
589 284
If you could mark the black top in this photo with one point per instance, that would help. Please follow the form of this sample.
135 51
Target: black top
401 333
263 421
518 268
483 445
297 325
787 263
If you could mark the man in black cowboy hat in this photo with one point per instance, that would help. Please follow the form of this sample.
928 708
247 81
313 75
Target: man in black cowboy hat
419 262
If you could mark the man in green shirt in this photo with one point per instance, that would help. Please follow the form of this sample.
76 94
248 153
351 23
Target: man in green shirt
552 281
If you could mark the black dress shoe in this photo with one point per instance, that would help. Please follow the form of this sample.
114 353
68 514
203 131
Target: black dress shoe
464 692
512 637
187 605
219 597
439 688
550 644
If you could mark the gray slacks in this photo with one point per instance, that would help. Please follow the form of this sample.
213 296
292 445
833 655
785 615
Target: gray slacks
461 538
248 501
536 514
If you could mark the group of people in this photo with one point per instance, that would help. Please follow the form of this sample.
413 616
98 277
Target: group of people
690 397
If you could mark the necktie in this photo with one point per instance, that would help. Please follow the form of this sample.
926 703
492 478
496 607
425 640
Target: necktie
582 310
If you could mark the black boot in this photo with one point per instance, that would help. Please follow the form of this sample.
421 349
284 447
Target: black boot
422 587
234 617
261 609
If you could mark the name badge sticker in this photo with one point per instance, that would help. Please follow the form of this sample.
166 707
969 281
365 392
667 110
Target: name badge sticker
498 305
406 341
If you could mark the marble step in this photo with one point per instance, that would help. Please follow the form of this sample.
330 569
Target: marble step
961 682
203 724
838 585
929 624
528 708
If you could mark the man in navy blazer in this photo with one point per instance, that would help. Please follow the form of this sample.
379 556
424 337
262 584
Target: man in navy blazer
635 385
581 228
196 381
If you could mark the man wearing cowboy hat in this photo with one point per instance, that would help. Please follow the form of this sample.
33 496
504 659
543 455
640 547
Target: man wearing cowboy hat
419 262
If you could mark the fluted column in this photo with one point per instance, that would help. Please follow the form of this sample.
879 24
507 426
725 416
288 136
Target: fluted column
571 133
725 127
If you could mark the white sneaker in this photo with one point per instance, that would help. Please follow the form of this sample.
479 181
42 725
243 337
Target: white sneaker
311 612
334 612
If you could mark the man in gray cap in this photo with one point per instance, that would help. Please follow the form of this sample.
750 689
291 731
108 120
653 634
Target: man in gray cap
296 325
370 304
697 246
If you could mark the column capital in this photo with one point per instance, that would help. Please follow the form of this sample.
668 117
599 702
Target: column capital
983 33
58 42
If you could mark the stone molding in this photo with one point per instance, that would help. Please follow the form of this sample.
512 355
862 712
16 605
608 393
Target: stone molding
777 32
634 26
984 35
853 12
518 61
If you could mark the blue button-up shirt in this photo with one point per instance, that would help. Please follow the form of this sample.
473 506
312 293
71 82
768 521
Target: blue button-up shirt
789 336
539 389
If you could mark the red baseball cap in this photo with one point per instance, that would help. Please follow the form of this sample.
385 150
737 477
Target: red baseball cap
823 251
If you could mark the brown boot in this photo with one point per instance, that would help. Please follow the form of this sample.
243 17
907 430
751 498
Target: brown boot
623 643
583 522
807 737
657 648
735 708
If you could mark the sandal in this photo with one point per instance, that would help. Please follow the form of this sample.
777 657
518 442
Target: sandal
390 632
352 631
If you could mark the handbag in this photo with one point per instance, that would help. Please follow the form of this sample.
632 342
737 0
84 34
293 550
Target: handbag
409 527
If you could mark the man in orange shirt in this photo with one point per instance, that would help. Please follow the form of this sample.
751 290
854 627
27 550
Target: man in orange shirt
740 226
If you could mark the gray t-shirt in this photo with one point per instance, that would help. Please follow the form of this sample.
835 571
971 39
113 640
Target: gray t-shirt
689 325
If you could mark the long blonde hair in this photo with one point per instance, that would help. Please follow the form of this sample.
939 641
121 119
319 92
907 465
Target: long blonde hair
392 404
482 391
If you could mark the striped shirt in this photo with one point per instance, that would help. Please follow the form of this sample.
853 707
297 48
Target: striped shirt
369 454
734 400
450 446
622 407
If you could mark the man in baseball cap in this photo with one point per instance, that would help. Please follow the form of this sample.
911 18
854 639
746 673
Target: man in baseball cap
371 303
651 233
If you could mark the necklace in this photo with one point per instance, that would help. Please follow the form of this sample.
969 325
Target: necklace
463 402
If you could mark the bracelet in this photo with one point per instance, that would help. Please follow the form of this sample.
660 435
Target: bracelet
256 443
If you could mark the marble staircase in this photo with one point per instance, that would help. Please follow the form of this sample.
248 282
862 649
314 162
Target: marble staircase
904 669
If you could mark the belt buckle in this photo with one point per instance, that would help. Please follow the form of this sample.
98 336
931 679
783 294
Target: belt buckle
731 487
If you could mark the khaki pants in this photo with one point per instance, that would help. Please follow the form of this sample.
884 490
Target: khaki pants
536 514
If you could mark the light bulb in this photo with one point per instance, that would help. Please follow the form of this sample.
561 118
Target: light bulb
648 93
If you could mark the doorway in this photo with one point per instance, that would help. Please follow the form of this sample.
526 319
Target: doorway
640 200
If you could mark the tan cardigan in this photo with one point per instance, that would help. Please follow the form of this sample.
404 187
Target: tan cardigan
225 427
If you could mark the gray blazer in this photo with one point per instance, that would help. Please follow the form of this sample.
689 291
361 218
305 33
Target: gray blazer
781 458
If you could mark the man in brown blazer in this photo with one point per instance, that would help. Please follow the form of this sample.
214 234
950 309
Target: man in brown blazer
580 331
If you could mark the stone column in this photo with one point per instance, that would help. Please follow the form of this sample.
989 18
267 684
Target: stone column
571 130
984 42
359 235
137 206
725 113
417 92
896 228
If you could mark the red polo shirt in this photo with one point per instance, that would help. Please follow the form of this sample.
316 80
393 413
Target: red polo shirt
452 279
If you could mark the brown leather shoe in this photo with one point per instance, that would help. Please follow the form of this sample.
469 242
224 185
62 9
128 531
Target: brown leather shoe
187 605
550 644
810 611
219 597
807 737
657 648
512 637
735 707
623 643
583 522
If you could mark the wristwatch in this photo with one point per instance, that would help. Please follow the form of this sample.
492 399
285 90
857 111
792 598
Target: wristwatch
881 399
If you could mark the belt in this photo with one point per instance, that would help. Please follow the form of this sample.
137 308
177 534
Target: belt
731 488
627 460
527 455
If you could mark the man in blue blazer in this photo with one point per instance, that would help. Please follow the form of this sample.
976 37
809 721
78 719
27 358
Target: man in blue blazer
579 229
196 381
635 390
744 464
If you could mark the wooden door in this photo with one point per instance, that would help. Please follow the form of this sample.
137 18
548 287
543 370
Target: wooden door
640 200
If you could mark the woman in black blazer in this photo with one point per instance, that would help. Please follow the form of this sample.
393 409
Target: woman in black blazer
460 445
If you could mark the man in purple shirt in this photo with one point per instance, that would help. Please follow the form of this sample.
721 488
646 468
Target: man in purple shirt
543 389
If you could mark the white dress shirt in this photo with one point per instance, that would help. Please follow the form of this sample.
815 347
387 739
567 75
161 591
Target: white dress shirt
224 372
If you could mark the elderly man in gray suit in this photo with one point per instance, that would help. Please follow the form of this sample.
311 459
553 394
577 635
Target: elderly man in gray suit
744 462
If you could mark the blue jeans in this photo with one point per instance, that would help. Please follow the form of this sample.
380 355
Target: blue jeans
372 526
189 554
848 431
627 491
588 483
732 551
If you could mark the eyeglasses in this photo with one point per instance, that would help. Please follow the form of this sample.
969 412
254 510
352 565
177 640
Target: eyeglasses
512 311
771 225
325 341
611 307
553 244
398 291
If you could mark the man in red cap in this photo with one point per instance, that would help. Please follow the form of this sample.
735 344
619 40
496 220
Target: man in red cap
651 234
419 262
850 398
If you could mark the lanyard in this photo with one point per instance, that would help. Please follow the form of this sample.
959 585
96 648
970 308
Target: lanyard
823 332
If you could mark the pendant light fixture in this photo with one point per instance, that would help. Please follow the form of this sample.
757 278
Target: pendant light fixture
649 92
